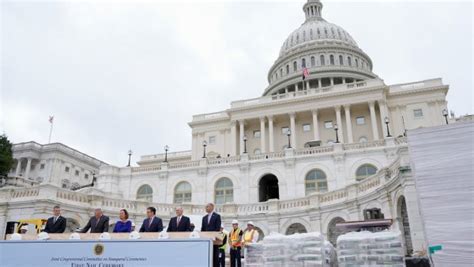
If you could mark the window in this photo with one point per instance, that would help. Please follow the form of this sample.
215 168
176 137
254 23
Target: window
360 120
65 183
363 139
76 173
145 193
418 113
212 140
287 69
321 58
331 59
281 72
313 62
257 151
357 63
328 124
341 60
224 191
365 171
86 176
284 130
349 61
306 127
256 134
315 181
66 169
303 62
373 214
295 66
182 193
42 166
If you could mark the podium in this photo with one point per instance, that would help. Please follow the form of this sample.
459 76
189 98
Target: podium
119 251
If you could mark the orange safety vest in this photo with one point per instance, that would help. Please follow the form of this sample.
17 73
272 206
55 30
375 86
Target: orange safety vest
235 237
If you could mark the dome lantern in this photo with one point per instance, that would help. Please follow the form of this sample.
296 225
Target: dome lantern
312 10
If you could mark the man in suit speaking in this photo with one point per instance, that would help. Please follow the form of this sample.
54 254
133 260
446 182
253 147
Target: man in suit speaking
151 223
99 223
212 223
57 223
180 223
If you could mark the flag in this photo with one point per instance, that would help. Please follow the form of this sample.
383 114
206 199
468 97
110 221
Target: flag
51 118
305 73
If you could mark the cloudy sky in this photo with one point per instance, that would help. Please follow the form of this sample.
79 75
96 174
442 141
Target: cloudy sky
120 75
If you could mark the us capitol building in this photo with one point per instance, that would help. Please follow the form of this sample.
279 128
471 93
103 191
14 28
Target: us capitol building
305 155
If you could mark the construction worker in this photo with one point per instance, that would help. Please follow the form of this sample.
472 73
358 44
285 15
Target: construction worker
250 236
223 248
235 238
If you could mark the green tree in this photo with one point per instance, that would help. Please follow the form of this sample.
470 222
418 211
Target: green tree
6 155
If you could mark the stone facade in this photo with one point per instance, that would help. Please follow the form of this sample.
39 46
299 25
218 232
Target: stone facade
274 159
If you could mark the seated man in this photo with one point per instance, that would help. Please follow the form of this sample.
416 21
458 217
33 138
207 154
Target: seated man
180 223
151 223
99 223
57 223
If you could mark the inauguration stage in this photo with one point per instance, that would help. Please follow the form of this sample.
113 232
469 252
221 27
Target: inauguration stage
177 249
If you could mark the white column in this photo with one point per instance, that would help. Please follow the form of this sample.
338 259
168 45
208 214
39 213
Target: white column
293 129
18 168
233 136
343 80
347 110
373 120
383 114
332 81
307 85
339 124
315 125
319 83
28 168
241 140
270 134
262 135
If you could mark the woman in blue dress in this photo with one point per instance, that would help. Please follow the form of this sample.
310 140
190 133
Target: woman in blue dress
124 225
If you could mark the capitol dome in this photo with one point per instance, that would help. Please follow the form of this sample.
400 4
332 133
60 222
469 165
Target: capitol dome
329 53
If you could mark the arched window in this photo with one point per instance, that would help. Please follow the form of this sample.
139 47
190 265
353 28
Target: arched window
281 72
313 62
316 181
341 60
295 66
321 58
145 192
357 63
287 69
183 193
331 59
365 171
296 228
303 62
334 232
224 191
349 61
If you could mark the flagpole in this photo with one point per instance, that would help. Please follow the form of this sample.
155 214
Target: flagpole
50 132
51 121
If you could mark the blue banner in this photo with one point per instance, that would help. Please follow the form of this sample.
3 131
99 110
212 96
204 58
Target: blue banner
107 253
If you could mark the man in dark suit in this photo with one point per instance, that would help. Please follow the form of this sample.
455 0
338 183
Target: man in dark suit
212 223
151 223
99 223
180 223
57 223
